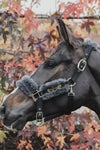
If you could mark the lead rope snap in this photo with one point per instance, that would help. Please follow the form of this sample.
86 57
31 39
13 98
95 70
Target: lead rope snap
71 93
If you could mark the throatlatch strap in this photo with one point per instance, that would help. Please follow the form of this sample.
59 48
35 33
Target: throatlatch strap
83 62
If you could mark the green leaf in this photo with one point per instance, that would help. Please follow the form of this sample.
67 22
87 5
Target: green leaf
3 135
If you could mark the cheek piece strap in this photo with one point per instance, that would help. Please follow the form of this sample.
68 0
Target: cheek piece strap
55 88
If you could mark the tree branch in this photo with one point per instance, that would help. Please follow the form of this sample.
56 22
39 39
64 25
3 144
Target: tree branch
56 15
3 51
84 17
41 16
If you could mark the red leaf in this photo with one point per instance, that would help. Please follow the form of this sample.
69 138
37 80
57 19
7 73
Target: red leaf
72 127
75 137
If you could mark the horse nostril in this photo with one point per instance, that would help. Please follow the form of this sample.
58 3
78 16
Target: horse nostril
2 108
20 116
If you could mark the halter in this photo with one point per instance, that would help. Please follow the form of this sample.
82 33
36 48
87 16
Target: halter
55 88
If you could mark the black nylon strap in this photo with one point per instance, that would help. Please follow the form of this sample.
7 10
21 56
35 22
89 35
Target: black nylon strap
87 53
39 114
39 104
47 118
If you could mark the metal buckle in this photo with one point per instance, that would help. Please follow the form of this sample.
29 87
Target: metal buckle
71 82
39 120
33 95
82 65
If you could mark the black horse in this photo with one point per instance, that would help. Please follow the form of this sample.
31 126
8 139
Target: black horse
18 107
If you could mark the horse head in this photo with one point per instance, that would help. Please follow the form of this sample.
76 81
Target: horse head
18 108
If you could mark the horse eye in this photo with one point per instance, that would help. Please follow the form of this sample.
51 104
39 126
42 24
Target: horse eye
50 64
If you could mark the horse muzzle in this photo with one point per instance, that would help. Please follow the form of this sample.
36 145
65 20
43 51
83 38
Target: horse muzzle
2 110
14 122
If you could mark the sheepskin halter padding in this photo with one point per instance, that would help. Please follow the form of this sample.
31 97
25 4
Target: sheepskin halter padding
29 87
55 87
88 43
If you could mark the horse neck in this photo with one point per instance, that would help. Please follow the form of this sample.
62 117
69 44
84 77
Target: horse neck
94 65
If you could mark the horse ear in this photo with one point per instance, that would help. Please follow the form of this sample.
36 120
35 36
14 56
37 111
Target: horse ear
68 35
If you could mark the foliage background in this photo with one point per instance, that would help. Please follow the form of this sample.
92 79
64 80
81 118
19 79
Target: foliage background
25 42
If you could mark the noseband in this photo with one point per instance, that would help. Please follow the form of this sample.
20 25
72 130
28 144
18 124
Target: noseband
55 88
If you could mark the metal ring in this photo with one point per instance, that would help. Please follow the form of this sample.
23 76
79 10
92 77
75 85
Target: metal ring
74 83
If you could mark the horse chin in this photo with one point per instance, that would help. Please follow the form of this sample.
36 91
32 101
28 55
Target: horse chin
16 125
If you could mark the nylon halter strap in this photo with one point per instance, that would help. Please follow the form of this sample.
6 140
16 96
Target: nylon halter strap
71 82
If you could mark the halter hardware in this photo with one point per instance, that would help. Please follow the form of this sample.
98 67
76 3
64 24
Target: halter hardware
54 88
39 117
71 93
36 95
82 65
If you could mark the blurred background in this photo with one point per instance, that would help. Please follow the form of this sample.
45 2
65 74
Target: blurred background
28 36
